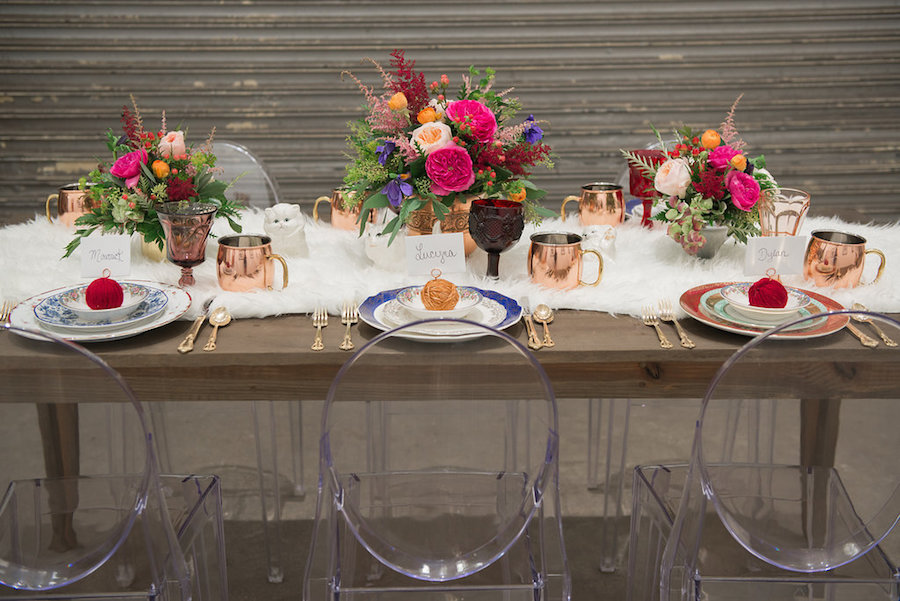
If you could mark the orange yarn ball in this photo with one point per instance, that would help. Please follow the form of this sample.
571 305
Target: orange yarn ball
439 295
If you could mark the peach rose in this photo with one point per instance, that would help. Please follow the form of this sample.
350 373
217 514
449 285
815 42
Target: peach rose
431 136
172 145
672 178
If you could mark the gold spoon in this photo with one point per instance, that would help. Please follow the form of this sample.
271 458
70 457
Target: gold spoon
544 315
866 319
219 317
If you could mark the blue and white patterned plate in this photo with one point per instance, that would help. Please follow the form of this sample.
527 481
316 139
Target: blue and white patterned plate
56 311
383 312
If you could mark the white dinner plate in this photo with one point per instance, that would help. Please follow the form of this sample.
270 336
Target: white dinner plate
383 312
178 301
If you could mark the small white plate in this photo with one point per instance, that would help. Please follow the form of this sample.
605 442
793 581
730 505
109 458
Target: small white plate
411 300
737 296
75 300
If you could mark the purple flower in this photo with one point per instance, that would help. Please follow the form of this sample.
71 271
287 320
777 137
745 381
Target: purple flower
396 190
533 133
385 150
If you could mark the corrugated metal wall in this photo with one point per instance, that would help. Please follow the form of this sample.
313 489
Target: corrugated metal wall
821 81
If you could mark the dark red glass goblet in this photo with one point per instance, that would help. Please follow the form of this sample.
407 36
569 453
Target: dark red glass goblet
495 226
641 184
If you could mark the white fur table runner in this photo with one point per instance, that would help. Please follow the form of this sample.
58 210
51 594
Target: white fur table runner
647 266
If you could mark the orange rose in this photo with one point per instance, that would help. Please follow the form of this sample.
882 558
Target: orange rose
739 162
710 139
427 115
517 196
160 169
397 102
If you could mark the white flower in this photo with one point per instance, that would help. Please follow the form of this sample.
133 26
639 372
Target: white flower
431 136
673 177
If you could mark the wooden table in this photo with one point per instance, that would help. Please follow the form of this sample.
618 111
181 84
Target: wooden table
597 356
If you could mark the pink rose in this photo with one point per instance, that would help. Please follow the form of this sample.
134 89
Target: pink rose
720 156
673 177
450 169
477 116
744 189
128 167
172 145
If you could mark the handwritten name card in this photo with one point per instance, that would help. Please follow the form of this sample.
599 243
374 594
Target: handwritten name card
109 251
437 251
784 254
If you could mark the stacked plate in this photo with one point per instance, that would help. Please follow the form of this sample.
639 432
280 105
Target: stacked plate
146 305
724 305
393 308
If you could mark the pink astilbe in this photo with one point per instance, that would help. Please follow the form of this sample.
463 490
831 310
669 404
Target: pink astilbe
730 135
371 98
162 124
509 134
406 149
383 119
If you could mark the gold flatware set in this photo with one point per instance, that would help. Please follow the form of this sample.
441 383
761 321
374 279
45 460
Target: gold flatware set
652 318
349 317
6 310
219 317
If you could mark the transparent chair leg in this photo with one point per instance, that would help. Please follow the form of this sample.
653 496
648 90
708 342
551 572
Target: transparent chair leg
295 418
266 455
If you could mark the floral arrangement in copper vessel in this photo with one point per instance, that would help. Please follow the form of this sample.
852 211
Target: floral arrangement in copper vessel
707 179
417 147
148 168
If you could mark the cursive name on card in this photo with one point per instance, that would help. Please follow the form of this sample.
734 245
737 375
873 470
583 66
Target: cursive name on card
784 254
109 251
437 251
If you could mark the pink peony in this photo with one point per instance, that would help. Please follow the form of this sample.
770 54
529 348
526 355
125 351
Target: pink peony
450 170
172 145
720 156
128 167
744 189
477 116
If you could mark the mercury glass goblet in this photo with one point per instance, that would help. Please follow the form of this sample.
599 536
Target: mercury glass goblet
186 225
495 226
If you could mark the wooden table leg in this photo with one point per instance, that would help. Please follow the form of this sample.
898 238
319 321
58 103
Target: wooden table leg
59 434
819 424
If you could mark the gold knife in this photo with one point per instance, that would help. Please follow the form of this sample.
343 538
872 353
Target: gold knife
863 338
187 345
534 341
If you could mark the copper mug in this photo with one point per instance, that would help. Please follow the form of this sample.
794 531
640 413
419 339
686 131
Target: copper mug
247 262
71 203
342 218
837 259
556 260
600 203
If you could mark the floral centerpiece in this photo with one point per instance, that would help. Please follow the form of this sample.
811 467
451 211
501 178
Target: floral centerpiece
148 168
416 148
707 179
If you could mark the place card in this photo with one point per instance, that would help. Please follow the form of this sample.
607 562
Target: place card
109 251
436 251
784 254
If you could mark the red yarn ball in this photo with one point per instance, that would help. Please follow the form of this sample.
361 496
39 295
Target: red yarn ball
104 293
768 292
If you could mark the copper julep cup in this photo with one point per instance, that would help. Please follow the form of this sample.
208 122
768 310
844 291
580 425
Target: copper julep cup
246 262
600 203
556 260
837 259
341 218
71 203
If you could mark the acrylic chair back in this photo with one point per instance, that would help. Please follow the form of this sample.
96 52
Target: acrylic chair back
253 185
438 460
827 488
78 479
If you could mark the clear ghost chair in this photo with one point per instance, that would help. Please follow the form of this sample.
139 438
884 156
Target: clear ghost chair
812 520
438 474
253 186
84 512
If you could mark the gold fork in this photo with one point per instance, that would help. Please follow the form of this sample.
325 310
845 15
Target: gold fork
648 316
349 316
6 311
320 320
667 313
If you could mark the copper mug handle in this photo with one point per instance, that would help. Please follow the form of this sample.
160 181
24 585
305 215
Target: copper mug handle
316 206
54 196
599 271
880 254
562 209
284 268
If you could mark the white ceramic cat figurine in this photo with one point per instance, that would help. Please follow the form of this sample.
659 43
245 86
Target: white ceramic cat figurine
284 224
